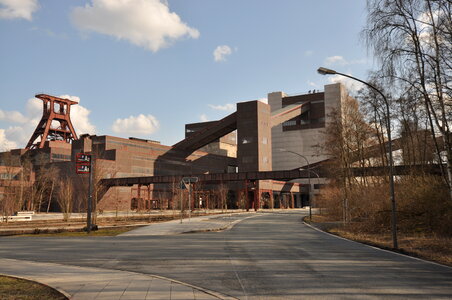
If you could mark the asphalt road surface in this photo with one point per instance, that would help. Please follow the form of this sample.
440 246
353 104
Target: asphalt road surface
269 256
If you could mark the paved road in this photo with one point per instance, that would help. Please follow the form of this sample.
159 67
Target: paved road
268 256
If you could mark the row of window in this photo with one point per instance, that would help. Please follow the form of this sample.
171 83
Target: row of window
8 176
57 156
303 122
134 145
141 170
144 147
143 158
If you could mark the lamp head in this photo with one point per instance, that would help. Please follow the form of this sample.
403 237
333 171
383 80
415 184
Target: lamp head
325 71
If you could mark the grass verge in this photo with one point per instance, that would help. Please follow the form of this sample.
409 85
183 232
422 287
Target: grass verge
73 227
429 247
12 288
101 232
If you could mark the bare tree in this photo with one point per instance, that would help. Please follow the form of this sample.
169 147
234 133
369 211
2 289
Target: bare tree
65 194
349 140
10 183
223 195
52 177
413 40
43 185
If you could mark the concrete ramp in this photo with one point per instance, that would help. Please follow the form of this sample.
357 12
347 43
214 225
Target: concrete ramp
289 112
208 134
228 124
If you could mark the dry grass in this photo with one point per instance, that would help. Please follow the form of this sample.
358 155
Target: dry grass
14 288
100 232
424 215
319 219
433 248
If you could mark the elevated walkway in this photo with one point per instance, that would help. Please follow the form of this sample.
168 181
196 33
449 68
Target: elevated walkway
229 123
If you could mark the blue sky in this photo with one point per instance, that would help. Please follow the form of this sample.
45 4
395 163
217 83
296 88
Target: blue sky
145 68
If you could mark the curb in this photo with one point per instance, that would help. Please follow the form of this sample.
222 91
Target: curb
224 228
209 292
377 248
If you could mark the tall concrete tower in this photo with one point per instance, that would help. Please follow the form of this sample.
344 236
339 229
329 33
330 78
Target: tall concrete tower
254 150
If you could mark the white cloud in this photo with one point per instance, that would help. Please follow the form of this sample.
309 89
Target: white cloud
80 117
331 60
12 116
18 9
227 107
18 136
341 61
350 84
203 118
424 24
34 108
308 53
5 143
313 84
140 125
220 53
145 23
265 100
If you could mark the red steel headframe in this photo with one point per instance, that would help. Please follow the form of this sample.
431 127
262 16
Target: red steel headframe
54 109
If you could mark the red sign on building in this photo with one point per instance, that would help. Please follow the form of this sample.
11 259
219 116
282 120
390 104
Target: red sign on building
83 163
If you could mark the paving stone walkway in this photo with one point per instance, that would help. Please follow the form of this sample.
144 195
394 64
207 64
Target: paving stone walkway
84 283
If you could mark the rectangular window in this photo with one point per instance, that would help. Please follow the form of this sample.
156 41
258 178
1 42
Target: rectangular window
290 123
232 169
64 157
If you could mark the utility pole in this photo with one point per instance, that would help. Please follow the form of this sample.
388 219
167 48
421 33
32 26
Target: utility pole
90 197
325 71
84 165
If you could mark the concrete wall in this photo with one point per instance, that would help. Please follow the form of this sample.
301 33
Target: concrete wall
301 141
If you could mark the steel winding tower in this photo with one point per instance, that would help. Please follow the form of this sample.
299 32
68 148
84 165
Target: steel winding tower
58 110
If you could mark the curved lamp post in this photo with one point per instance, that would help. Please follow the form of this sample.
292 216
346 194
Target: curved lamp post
309 178
325 71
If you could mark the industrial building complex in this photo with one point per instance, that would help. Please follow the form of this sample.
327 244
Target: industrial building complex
259 156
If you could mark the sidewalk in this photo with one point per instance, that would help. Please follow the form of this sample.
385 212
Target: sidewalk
196 224
84 283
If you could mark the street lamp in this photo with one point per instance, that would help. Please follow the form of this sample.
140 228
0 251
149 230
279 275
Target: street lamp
325 71
309 178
